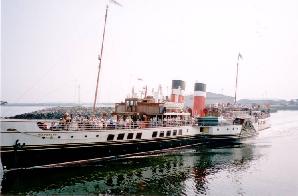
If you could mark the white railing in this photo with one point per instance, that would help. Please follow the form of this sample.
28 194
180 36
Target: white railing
94 125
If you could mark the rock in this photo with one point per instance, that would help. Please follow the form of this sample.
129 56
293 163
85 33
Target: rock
58 112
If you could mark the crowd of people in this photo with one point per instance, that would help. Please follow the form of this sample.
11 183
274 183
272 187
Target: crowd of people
79 122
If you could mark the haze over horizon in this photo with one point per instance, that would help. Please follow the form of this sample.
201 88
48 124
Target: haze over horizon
50 47
98 103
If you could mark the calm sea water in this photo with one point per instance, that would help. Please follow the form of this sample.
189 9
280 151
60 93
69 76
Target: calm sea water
264 165
7 111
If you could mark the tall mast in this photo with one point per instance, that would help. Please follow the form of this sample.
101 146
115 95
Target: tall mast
79 94
239 56
100 58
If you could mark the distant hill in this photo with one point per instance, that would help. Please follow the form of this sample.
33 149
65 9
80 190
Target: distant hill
263 101
211 98
276 104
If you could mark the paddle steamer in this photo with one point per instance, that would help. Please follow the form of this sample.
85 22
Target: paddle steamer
138 126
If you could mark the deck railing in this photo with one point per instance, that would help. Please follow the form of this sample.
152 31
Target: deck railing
94 125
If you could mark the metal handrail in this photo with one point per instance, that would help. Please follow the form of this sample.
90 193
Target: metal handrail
109 125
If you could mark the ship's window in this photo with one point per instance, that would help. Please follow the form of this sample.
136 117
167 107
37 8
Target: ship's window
110 137
71 136
10 129
97 135
180 132
120 136
217 129
59 137
85 135
154 134
139 135
233 128
43 137
168 133
174 132
227 128
161 134
130 136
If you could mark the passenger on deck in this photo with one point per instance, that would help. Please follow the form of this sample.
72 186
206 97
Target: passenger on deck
62 123
42 125
67 120
121 123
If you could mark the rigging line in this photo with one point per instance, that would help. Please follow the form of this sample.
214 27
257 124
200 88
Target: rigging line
57 89
238 58
36 83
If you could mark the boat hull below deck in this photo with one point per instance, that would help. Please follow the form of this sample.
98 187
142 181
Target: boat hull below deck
263 124
67 154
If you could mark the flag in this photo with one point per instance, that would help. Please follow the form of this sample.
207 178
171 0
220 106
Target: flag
115 2
240 56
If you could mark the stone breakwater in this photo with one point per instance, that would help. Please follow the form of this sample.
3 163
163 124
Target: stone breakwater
58 112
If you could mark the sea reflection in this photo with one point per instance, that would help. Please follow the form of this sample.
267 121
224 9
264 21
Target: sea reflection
181 172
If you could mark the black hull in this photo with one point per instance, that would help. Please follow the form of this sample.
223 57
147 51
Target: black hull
219 138
223 139
61 155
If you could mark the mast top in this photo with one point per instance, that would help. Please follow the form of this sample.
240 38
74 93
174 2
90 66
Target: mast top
101 51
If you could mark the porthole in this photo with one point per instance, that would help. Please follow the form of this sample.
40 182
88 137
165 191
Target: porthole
130 136
174 132
85 135
110 137
71 136
11 130
162 134
180 132
168 133
154 134
59 137
43 137
120 136
97 135
139 136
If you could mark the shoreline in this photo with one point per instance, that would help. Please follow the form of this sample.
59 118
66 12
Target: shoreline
58 112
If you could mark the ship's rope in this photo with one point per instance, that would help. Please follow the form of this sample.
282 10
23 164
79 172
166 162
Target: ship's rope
37 82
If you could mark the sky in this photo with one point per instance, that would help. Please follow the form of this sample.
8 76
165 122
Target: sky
49 48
